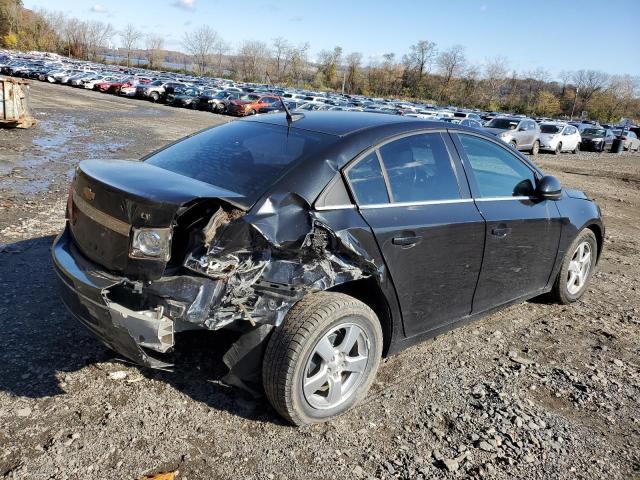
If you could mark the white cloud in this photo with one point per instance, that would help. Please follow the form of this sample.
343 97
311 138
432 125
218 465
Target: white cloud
97 8
185 4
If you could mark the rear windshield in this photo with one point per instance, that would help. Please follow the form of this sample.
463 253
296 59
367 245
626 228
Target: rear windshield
594 132
244 157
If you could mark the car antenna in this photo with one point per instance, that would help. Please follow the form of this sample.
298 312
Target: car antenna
290 117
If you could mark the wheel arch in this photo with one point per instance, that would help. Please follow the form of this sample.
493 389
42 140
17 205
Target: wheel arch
599 234
369 292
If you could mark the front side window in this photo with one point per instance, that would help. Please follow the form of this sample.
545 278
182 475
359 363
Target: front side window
498 173
367 181
419 169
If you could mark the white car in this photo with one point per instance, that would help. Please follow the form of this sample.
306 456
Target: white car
559 137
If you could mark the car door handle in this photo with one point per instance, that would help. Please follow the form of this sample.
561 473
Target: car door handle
406 241
501 231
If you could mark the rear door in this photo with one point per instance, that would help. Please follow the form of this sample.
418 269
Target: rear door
523 231
413 194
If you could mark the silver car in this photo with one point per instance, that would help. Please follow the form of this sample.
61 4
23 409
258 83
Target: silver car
521 133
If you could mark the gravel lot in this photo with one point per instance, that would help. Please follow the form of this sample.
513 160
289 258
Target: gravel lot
536 391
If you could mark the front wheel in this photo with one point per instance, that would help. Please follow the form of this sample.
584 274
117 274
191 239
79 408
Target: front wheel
323 358
536 148
577 268
577 149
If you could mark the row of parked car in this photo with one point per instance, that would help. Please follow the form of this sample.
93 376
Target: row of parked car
224 96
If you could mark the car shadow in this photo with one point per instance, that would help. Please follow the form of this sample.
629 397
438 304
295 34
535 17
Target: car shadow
42 342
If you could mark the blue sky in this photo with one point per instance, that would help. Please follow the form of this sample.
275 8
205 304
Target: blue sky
555 35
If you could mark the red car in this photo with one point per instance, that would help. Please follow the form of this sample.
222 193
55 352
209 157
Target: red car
250 104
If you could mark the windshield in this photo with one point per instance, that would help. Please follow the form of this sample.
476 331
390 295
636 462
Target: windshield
253 98
594 132
245 157
503 123
550 128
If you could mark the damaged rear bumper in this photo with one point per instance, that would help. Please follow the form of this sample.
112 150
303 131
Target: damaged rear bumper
83 289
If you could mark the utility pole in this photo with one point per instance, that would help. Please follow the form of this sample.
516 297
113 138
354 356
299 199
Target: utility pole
575 99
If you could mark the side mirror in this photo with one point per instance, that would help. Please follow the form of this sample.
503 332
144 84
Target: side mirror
549 188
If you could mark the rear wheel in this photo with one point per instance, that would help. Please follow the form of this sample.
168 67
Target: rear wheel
252 112
577 149
577 268
558 149
323 358
536 148
155 96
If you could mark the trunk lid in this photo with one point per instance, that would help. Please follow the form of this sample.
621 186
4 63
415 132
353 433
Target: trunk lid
112 197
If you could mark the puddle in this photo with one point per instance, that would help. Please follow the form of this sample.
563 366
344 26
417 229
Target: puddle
56 147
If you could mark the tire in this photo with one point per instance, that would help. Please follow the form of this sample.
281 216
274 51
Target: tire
252 112
292 356
513 144
561 292
577 149
558 149
155 96
536 148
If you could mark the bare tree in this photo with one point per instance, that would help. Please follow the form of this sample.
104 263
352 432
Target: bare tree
281 57
250 60
419 60
154 45
451 63
495 74
222 48
99 34
201 44
130 37
353 63
329 62
299 62
589 82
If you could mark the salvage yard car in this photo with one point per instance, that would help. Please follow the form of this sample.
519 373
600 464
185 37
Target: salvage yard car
519 132
559 137
327 239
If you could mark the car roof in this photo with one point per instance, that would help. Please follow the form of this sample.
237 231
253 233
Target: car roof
341 123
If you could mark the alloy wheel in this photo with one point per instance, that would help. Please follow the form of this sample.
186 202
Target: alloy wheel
336 366
579 268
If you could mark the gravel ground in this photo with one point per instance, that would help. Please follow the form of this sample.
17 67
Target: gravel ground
536 391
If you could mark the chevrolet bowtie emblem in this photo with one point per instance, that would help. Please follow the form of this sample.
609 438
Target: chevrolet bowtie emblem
88 194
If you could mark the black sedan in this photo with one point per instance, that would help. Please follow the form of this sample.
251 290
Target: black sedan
597 139
327 239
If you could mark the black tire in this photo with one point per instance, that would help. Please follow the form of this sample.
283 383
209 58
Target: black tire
155 96
293 344
536 148
577 149
513 144
558 149
560 292
252 112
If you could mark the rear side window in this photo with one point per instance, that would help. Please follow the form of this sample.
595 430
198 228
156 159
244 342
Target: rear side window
498 173
419 169
367 181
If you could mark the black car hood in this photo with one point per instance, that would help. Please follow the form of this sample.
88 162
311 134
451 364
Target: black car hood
579 194
154 184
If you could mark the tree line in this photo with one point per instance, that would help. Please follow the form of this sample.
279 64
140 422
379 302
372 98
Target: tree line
427 73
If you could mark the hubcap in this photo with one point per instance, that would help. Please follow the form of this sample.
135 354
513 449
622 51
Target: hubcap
579 267
336 367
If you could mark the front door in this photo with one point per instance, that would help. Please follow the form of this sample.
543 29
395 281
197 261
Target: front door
429 230
523 231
